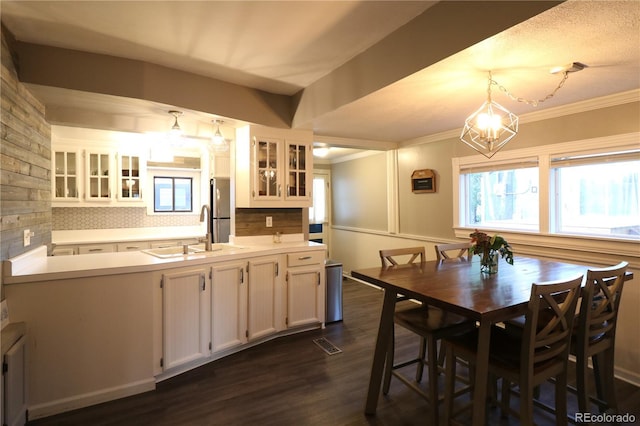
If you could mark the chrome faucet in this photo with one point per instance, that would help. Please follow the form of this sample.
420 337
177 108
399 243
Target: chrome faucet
207 242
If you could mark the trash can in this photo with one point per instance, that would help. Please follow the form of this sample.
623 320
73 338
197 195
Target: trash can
333 273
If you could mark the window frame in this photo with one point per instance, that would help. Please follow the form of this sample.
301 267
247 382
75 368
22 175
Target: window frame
173 194
546 236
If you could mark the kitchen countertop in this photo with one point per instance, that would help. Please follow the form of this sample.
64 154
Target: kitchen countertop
35 265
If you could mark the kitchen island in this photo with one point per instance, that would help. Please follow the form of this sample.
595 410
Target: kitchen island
105 326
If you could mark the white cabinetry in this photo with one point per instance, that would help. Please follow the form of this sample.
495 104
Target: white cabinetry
96 248
229 305
246 301
305 288
66 169
14 364
131 172
273 167
105 176
264 298
186 316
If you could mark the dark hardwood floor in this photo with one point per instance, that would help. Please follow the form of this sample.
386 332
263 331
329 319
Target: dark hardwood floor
291 381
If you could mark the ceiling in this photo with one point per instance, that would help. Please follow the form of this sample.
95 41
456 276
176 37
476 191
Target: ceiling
424 87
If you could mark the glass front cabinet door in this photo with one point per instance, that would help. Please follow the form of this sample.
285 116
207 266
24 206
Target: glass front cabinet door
66 175
98 176
267 174
129 178
298 160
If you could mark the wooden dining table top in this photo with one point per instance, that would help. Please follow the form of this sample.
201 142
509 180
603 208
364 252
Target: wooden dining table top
460 287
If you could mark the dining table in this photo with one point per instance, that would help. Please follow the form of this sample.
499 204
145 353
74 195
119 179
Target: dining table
460 287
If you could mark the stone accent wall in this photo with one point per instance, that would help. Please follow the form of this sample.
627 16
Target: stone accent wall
25 167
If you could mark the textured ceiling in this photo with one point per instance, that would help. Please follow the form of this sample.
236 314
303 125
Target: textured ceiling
283 47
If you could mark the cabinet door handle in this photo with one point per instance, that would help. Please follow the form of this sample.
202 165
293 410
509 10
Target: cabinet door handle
241 275
304 258
133 247
279 190
277 269
95 249
203 282
318 278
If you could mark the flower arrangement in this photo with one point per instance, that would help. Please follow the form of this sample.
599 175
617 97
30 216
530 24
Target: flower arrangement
484 245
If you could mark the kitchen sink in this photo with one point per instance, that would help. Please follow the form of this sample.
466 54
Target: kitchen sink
176 251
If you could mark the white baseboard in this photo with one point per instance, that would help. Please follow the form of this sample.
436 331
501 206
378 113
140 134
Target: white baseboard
91 398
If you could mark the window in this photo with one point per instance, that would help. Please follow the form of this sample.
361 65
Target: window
587 188
501 198
172 194
597 195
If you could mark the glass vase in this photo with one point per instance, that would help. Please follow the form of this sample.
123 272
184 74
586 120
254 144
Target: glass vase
489 262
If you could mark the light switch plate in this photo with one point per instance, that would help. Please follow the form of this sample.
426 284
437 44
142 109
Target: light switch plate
27 237
269 221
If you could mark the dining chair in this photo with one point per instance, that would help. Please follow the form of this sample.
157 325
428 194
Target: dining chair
431 325
453 251
390 257
596 335
539 353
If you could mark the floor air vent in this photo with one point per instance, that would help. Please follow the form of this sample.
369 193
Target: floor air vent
327 346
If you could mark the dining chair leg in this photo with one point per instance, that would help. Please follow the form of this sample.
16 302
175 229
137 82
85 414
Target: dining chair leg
581 383
561 399
449 382
422 354
603 371
388 365
506 398
433 378
526 405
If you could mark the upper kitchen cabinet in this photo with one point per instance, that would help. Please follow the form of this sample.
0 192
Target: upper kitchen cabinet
131 172
98 176
273 167
97 168
66 174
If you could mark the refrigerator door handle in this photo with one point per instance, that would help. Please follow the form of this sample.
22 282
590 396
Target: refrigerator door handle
217 213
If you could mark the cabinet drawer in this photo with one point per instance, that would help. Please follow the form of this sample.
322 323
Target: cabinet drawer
134 246
63 251
305 258
96 248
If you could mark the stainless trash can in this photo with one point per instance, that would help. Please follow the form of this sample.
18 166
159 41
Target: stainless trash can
333 303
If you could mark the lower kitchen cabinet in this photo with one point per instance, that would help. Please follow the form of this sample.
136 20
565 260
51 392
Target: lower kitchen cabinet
264 298
14 364
229 305
246 301
305 288
186 296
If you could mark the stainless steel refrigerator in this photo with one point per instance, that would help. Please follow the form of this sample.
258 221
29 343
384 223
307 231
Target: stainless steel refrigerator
220 209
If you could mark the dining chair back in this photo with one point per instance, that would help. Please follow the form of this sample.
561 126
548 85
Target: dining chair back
541 352
453 251
596 334
391 257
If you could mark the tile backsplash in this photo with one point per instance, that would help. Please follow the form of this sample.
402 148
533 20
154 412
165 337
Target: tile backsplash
76 218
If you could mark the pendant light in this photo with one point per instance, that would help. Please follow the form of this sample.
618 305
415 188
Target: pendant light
175 132
219 142
490 127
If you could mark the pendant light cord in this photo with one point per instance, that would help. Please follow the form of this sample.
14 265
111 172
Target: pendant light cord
523 100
